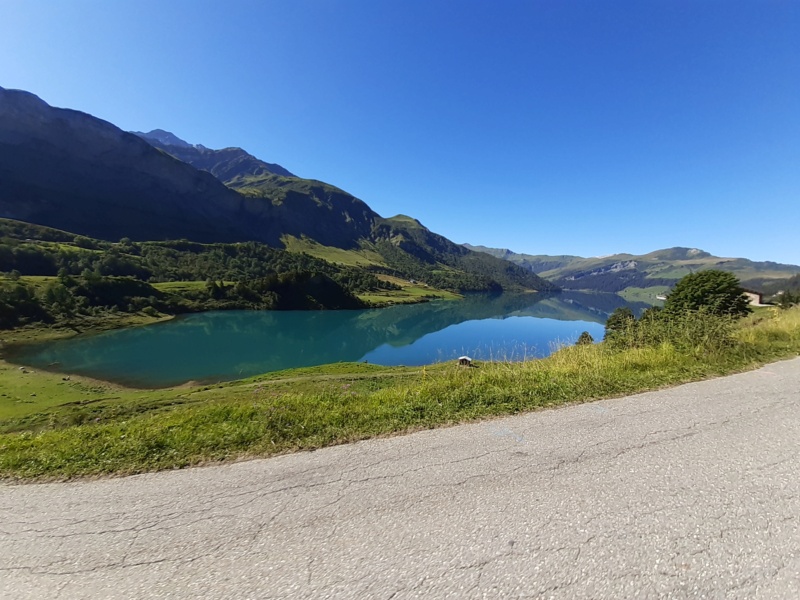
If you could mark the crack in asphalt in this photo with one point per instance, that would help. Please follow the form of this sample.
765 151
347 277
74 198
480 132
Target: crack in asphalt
686 492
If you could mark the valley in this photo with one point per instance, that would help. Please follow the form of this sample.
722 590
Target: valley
643 277
164 304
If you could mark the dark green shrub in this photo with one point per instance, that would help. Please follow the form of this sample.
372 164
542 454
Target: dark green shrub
717 292
620 320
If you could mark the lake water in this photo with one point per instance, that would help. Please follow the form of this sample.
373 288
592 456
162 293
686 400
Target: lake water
219 346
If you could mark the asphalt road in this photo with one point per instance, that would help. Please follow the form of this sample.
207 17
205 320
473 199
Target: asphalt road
692 492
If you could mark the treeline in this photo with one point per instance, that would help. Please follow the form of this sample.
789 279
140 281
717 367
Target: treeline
34 250
67 299
93 277
157 262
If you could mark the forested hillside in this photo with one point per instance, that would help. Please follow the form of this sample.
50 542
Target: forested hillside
332 217
73 172
409 246
55 276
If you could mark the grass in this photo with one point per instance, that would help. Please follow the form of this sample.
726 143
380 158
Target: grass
172 287
647 295
27 391
38 282
362 257
180 286
410 294
310 408
35 400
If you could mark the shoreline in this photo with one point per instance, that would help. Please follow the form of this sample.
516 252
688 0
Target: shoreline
73 429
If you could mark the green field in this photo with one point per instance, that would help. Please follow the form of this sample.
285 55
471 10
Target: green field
54 428
409 294
647 295
37 281
184 286
362 257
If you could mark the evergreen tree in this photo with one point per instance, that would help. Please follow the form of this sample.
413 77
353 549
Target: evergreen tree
718 292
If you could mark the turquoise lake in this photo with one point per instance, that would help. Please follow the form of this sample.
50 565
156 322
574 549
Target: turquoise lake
219 346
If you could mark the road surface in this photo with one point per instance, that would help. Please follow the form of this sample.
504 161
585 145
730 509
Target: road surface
691 492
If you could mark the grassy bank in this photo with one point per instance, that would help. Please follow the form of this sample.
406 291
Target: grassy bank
132 431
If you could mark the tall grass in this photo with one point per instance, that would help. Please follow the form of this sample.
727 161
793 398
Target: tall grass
696 332
647 356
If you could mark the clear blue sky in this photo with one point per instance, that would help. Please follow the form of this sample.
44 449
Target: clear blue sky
551 126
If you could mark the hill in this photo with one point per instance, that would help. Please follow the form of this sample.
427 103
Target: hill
331 217
643 276
71 171
411 247
531 262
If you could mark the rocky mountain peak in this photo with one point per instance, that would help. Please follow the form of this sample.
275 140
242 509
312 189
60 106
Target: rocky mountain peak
164 137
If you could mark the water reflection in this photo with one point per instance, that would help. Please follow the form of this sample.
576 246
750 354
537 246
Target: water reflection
228 345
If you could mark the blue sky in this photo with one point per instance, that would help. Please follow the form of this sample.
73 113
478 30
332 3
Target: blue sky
553 127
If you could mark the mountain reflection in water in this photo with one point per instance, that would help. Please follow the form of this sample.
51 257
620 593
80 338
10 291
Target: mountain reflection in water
218 346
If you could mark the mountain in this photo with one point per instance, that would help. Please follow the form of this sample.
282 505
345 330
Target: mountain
159 136
534 263
410 246
332 217
226 164
300 207
71 171
654 272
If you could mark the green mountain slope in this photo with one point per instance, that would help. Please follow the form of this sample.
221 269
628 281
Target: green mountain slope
71 171
298 207
318 211
411 247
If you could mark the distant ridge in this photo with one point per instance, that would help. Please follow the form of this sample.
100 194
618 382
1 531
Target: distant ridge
658 270
226 164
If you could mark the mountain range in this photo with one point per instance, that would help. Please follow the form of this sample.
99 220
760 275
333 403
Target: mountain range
642 276
71 171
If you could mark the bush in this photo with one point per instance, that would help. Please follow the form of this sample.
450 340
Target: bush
585 338
717 292
619 321
692 332
789 299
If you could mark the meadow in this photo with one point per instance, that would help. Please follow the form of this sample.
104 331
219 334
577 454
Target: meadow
54 428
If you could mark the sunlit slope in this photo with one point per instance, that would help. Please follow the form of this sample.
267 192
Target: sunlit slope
658 269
